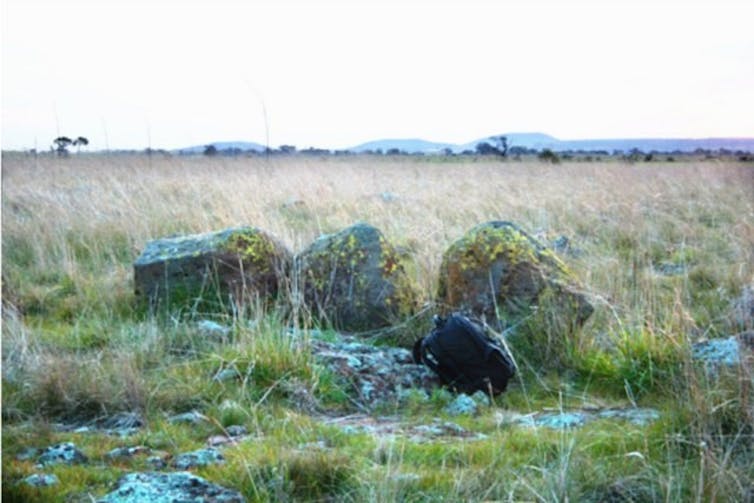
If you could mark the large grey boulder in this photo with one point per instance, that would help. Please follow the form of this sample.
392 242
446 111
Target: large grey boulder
224 268
497 268
176 487
355 280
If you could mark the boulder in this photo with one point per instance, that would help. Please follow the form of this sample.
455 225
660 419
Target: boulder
220 269
355 280
169 487
497 268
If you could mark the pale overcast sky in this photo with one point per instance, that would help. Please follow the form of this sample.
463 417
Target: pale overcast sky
170 73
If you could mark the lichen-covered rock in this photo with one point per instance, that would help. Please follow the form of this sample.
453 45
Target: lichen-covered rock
463 405
496 267
169 488
41 480
201 457
565 419
355 280
224 268
373 375
727 352
65 452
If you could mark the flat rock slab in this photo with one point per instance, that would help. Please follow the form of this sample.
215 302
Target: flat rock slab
177 487
572 419
388 426
374 375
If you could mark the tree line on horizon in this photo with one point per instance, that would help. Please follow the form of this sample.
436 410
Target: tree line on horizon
495 146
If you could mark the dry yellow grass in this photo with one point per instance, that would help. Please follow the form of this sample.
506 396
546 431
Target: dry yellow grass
92 215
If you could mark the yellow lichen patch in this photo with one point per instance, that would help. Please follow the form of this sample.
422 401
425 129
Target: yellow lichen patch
252 246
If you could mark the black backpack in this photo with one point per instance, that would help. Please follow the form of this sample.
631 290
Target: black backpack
464 356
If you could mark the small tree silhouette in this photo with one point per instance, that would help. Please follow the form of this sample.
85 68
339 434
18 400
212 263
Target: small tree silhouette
485 148
80 142
548 155
210 150
61 145
502 144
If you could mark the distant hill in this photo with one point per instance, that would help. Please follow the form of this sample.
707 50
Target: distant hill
223 145
411 146
532 140
541 141
528 140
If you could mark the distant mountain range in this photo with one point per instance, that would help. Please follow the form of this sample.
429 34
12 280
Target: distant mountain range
538 141
243 146
541 141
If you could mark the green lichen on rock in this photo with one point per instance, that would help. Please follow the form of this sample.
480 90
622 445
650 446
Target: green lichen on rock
355 280
499 272
216 270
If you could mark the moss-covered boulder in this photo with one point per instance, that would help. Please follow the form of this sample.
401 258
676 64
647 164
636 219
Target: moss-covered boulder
216 270
355 281
498 272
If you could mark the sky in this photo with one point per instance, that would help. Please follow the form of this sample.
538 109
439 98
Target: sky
170 73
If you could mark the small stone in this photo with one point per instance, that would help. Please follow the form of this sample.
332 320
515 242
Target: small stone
236 430
192 417
127 452
62 453
124 420
41 480
228 374
157 462
221 440
462 405
212 329
201 457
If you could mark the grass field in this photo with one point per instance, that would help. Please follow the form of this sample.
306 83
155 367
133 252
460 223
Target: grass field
663 249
